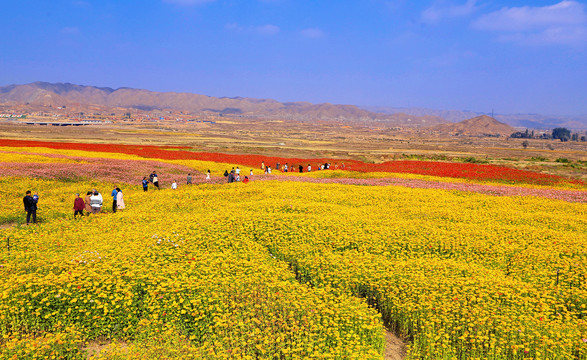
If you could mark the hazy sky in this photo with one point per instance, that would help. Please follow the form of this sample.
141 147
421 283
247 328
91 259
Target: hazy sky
511 56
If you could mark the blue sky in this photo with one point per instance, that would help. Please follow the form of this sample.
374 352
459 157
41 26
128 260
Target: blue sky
510 56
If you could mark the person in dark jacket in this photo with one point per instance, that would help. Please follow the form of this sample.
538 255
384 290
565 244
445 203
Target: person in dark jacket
30 206
78 206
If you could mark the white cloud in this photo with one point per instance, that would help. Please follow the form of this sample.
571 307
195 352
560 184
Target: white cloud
312 33
562 23
188 2
437 13
527 17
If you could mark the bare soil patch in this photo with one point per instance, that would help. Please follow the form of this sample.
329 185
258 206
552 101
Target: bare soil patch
95 347
7 225
395 348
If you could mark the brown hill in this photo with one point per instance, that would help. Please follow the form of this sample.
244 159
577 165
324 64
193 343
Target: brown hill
478 126
42 93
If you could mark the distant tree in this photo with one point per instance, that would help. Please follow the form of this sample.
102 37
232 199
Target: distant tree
563 134
583 138
517 135
525 144
522 135
575 137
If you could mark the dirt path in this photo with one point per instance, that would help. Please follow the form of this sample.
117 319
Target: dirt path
7 225
395 348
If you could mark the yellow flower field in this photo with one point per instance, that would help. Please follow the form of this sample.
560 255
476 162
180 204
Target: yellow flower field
291 270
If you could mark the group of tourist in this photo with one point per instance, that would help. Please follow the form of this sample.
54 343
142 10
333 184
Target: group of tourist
235 175
292 168
92 203
154 179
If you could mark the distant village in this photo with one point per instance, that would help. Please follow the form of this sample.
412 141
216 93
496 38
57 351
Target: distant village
77 116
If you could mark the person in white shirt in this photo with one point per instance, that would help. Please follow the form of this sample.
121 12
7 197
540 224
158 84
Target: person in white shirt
174 185
96 202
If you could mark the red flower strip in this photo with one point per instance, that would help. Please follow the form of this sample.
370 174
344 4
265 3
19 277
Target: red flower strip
442 169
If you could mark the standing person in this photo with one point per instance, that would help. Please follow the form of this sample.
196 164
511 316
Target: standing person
263 165
88 207
301 168
145 184
251 172
230 177
30 206
285 167
309 168
155 180
78 206
96 202
113 194
238 171
119 199
208 175
174 185
189 179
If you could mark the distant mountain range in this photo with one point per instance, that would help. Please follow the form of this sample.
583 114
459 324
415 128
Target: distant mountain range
58 94
531 121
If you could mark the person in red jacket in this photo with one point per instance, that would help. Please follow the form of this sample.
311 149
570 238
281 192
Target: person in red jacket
78 206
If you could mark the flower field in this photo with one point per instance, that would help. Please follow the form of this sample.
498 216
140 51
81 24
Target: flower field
474 172
293 267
